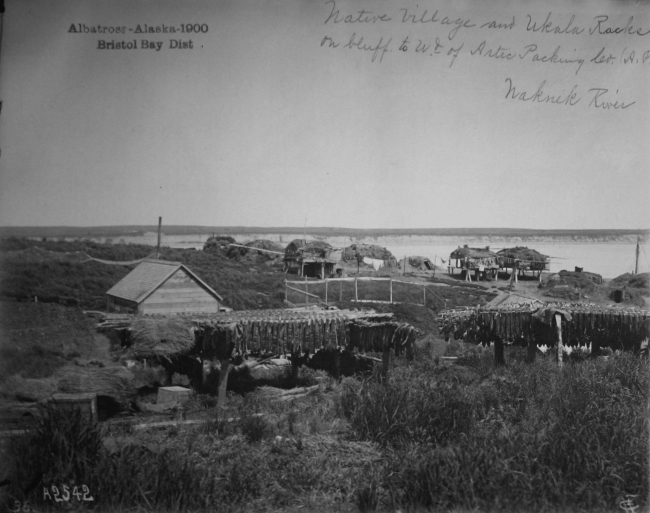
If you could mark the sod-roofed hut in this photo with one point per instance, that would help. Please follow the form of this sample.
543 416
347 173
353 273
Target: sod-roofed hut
220 242
161 338
167 341
369 253
316 259
479 259
420 263
525 258
261 250
161 287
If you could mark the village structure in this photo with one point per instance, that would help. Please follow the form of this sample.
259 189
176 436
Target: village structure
161 287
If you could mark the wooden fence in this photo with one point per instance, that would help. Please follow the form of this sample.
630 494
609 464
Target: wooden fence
359 290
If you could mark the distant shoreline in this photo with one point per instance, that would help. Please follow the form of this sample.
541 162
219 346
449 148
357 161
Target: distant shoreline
181 237
339 235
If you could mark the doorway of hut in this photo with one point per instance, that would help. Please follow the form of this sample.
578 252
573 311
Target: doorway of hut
318 270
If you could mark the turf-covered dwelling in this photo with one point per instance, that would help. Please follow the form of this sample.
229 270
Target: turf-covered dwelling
167 288
524 258
474 259
315 259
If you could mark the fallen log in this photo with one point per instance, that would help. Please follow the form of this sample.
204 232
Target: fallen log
168 423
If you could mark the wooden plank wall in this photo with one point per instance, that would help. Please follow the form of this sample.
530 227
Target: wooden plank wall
180 293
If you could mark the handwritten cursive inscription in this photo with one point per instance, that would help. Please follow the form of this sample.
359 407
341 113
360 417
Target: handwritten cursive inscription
549 28
378 49
601 27
541 96
425 17
555 44
602 99
361 16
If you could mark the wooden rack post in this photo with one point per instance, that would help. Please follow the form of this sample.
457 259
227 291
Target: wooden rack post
356 293
531 349
424 295
223 383
326 290
337 364
385 365
341 290
391 290
499 359
516 270
558 324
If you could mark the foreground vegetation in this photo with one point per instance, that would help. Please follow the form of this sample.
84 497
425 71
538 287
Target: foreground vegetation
525 437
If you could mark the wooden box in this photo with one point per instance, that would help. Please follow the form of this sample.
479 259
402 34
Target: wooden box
86 403
178 395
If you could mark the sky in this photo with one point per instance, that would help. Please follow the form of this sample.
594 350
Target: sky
286 112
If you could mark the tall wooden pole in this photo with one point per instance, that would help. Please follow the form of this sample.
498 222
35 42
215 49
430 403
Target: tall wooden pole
356 293
159 227
391 290
636 264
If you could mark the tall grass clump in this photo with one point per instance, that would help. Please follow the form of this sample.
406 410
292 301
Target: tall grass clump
527 437
423 403
63 449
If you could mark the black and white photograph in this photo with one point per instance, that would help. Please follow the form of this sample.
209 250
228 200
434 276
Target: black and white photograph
325 256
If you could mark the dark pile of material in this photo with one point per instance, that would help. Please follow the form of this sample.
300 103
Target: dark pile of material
529 259
220 242
420 262
468 252
238 252
571 285
367 250
160 337
636 281
116 382
313 249
630 288
523 253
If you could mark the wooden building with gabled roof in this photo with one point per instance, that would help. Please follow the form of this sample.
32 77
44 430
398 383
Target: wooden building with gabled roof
166 288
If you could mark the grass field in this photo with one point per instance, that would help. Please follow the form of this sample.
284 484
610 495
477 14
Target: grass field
466 437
